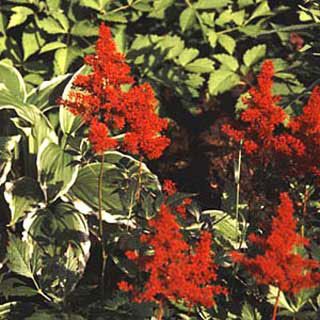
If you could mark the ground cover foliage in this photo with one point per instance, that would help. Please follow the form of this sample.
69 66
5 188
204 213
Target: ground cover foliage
159 159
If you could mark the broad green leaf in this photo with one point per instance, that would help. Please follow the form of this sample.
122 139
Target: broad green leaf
187 55
120 176
238 17
11 83
187 19
23 196
53 5
69 123
7 145
262 10
93 4
84 29
63 59
212 37
224 225
227 42
224 18
52 46
227 61
51 26
31 42
57 170
254 54
41 96
211 4
62 19
283 303
201 65
121 40
115 17
221 81
250 313
19 16
19 255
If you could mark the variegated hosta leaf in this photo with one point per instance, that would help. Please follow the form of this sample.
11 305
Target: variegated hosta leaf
120 184
7 145
61 237
24 196
57 170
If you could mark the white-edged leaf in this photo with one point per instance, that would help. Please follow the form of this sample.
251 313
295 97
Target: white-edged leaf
57 170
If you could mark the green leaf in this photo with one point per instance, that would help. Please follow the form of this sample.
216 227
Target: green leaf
31 42
19 16
119 186
13 287
12 83
70 123
187 55
221 81
115 17
92 4
245 3
51 26
283 303
227 42
41 96
52 46
238 17
7 145
211 4
224 18
262 10
63 59
57 170
23 195
227 61
19 255
212 37
250 313
202 65
187 19
253 55
84 28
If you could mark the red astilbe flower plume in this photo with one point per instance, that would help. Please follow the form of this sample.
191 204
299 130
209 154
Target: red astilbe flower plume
279 265
102 103
176 270
306 127
259 122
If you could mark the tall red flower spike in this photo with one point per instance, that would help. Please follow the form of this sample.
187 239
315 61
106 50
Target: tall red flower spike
279 264
102 103
176 270
260 121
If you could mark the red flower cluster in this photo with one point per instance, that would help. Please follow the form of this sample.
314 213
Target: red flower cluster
176 270
279 265
102 102
263 134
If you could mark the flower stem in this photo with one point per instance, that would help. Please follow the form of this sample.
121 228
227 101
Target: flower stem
139 180
104 255
275 308
160 312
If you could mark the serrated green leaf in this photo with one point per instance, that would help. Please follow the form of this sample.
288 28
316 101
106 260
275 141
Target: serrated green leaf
63 59
245 3
13 287
52 46
187 55
93 4
238 17
211 4
227 42
224 18
250 313
187 19
221 81
19 254
51 26
228 61
201 65
84 29
262 10
254 54
283 303
212 37
19 16
115 17
31 42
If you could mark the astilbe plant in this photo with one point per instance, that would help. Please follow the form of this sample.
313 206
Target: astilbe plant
112 104
176 270
279 264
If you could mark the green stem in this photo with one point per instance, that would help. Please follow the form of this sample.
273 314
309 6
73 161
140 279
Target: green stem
104 255
39 290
